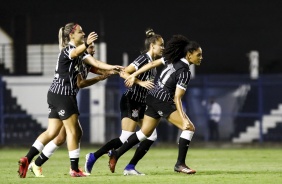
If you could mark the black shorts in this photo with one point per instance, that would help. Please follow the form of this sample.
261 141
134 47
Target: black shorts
157 108
131 109
61 106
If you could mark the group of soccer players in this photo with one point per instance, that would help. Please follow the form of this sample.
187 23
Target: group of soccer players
145 101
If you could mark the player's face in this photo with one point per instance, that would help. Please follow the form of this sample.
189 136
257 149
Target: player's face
91 49
195 57
158 47
77 37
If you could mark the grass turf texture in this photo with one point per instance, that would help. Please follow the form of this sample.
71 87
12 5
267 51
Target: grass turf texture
222 165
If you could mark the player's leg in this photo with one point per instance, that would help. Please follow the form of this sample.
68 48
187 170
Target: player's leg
54 126
36 166
74 133
148 126
128 128
129 117
140 152
184 142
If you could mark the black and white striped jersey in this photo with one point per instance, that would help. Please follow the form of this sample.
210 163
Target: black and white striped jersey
174 75
67 69
136 92
84 70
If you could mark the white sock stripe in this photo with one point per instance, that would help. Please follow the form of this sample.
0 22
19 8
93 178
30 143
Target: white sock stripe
38 145
49 149
140 135
74 153
187 134
124 135
153 136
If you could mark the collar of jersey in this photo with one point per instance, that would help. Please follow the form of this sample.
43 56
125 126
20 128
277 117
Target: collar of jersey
70 43
149 56
184 61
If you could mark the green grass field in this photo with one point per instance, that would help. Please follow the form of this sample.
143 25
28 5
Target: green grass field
213 165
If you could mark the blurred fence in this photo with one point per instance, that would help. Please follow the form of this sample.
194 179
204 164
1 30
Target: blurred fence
251 110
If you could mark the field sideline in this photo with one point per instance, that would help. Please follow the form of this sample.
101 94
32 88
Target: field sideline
222 165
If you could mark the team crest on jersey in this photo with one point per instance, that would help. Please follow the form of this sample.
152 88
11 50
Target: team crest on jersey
62 112
49 110
135 113
160 113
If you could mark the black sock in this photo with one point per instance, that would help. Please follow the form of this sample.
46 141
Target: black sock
31 154
183 146
142 149
113 144
41 160
129 143
74 164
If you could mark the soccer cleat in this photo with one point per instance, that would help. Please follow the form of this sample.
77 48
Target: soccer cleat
37 171
184 169
23 166
113 160
89 162
73 173
131 172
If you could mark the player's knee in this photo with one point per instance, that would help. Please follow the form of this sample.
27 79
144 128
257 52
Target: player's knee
191 127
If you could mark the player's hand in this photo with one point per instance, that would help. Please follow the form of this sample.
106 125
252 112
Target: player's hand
129 81
146 84
117 68
112 72
91 38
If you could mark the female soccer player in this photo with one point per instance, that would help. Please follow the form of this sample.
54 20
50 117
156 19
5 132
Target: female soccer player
36 166
132 105
165 99
61 97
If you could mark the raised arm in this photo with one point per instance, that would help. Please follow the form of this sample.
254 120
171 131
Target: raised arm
131 78
81 48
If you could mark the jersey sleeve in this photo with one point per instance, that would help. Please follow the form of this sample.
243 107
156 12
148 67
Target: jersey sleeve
85 55
67 51
183 78
139 62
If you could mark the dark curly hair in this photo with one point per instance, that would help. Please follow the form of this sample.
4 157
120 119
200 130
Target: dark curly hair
177 48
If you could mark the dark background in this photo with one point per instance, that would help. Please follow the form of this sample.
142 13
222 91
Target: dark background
226 29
